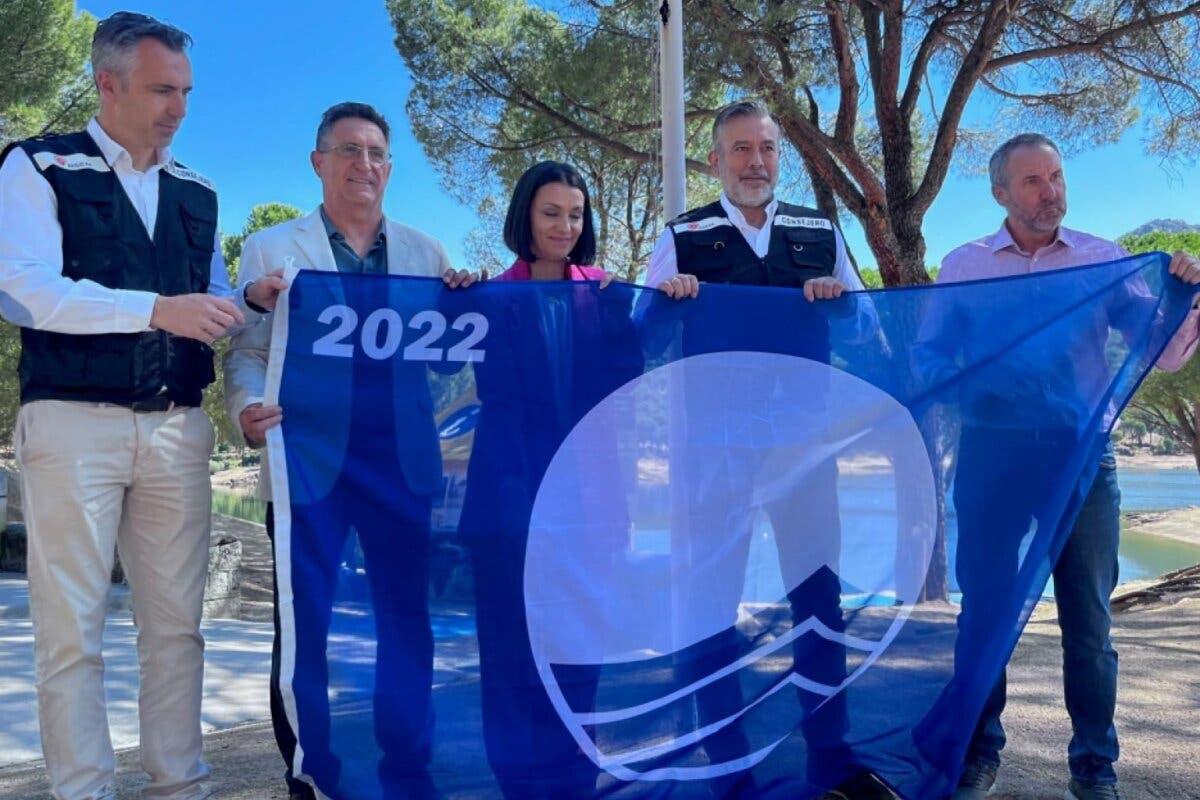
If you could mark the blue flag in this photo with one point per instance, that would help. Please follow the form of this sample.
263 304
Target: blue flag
550 540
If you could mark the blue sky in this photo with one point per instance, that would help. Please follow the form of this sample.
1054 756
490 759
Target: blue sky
265 69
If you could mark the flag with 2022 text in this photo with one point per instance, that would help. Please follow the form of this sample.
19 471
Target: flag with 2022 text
552 540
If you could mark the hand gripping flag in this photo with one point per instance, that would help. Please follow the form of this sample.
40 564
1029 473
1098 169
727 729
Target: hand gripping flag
547 540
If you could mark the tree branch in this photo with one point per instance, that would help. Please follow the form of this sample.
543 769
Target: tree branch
974 63
1093 45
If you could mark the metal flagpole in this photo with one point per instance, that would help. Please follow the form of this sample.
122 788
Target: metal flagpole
670 68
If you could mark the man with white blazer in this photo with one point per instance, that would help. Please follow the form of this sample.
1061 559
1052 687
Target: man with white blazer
348 233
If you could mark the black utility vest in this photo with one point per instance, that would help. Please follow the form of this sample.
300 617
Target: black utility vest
708 245
803 246
105 241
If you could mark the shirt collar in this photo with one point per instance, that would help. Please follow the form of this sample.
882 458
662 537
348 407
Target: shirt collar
738 218
1002 239
333 233
115 153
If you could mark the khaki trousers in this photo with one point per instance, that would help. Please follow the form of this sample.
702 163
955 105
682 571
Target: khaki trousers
93 476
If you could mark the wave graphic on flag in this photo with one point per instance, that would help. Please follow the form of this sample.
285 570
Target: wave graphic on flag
592 605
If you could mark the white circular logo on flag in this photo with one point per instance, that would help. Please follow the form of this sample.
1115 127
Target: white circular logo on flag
695 502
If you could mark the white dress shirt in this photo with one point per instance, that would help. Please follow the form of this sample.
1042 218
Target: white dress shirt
33 291
663 265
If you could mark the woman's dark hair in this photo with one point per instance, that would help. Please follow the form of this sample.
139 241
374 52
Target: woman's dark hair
518 227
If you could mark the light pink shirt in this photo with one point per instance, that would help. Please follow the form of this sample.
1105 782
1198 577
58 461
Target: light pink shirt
998 256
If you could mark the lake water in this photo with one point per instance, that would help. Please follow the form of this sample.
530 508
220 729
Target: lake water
1141 556
1144 489
237 504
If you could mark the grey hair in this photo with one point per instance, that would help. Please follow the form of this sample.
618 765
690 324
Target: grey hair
351 110
742 108
117 36
998 163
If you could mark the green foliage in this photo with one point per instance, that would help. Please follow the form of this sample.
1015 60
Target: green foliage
10 386
44 86
213 402
1168 447
44 82
1161 241
871 278
872 97
1132 428
263 215
489 76
1169 402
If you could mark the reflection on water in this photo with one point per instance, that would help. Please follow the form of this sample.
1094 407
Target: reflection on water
1144 555
242 506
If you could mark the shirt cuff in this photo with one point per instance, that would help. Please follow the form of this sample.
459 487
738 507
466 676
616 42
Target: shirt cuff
134 310
255 307
249 400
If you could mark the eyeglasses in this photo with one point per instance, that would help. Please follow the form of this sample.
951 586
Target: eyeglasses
353 152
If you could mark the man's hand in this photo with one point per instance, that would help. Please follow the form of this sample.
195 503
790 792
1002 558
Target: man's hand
265 291
825 288
256 419
461 278
1185 267
680 286
196 316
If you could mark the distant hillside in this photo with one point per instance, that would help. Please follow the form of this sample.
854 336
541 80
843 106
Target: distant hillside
1164 225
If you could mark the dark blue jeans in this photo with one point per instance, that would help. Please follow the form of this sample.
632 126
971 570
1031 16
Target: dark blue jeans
1085 575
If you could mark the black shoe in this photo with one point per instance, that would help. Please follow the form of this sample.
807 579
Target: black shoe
977 780
299 790
862 785
1077 790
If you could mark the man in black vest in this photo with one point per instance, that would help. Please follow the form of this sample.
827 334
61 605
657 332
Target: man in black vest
109 262
748 237
779 244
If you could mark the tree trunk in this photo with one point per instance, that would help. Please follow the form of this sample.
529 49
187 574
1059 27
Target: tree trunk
1196 439
900 260
937 439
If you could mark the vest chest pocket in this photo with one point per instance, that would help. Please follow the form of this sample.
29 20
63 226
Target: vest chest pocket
87 213
88 209
811 250
714 256
200 231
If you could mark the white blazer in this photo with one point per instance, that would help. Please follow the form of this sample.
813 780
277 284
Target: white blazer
304 244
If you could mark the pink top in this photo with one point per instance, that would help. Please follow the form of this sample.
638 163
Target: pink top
998 256
520 271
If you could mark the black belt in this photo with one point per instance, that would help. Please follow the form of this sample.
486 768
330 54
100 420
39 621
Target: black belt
153 405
